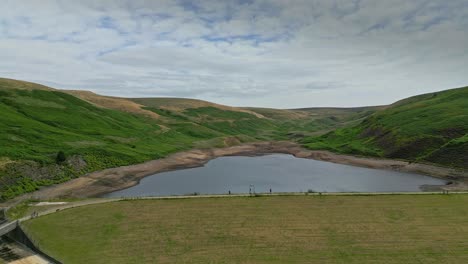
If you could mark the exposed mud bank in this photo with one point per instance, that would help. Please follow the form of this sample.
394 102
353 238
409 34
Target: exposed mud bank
110 180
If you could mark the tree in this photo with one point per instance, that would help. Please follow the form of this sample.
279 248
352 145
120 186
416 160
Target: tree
60 157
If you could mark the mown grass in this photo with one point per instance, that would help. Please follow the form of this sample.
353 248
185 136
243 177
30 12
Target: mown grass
294 229
431 127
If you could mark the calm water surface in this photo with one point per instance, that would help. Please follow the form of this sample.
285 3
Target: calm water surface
281 173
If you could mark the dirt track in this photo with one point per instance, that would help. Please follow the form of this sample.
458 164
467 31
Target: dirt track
109 180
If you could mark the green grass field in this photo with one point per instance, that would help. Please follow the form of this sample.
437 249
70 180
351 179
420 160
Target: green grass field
287 229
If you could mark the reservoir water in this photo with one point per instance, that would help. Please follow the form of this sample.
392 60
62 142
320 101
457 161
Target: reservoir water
278 172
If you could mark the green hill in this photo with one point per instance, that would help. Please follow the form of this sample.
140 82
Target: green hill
37 123
97 132
431 128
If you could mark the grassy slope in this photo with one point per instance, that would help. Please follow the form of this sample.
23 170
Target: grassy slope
301 229
98 132
431 127
36 124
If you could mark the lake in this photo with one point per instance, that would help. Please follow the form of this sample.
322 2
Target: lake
278 172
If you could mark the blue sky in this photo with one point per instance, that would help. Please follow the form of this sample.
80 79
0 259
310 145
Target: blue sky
266 53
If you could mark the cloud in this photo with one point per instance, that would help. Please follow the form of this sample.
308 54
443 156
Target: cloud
270 53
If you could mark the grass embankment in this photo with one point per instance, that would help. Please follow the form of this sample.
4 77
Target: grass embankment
292 229
431 128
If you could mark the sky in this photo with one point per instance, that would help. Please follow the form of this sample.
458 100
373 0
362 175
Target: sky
266 53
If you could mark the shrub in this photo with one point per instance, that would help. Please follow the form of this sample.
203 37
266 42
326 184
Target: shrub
60 157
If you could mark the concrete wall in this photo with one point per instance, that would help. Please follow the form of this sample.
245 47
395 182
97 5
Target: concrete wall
8 227
14 231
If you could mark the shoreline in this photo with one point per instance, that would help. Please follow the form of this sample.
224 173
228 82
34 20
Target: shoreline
106 181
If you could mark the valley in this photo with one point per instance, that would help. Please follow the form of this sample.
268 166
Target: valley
96 133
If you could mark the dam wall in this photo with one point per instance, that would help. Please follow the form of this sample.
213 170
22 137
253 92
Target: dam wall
14 231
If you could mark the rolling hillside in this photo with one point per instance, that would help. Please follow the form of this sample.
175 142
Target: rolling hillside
430 128
49 136
38 122
96 132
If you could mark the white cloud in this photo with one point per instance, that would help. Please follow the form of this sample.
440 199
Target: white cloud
263 53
